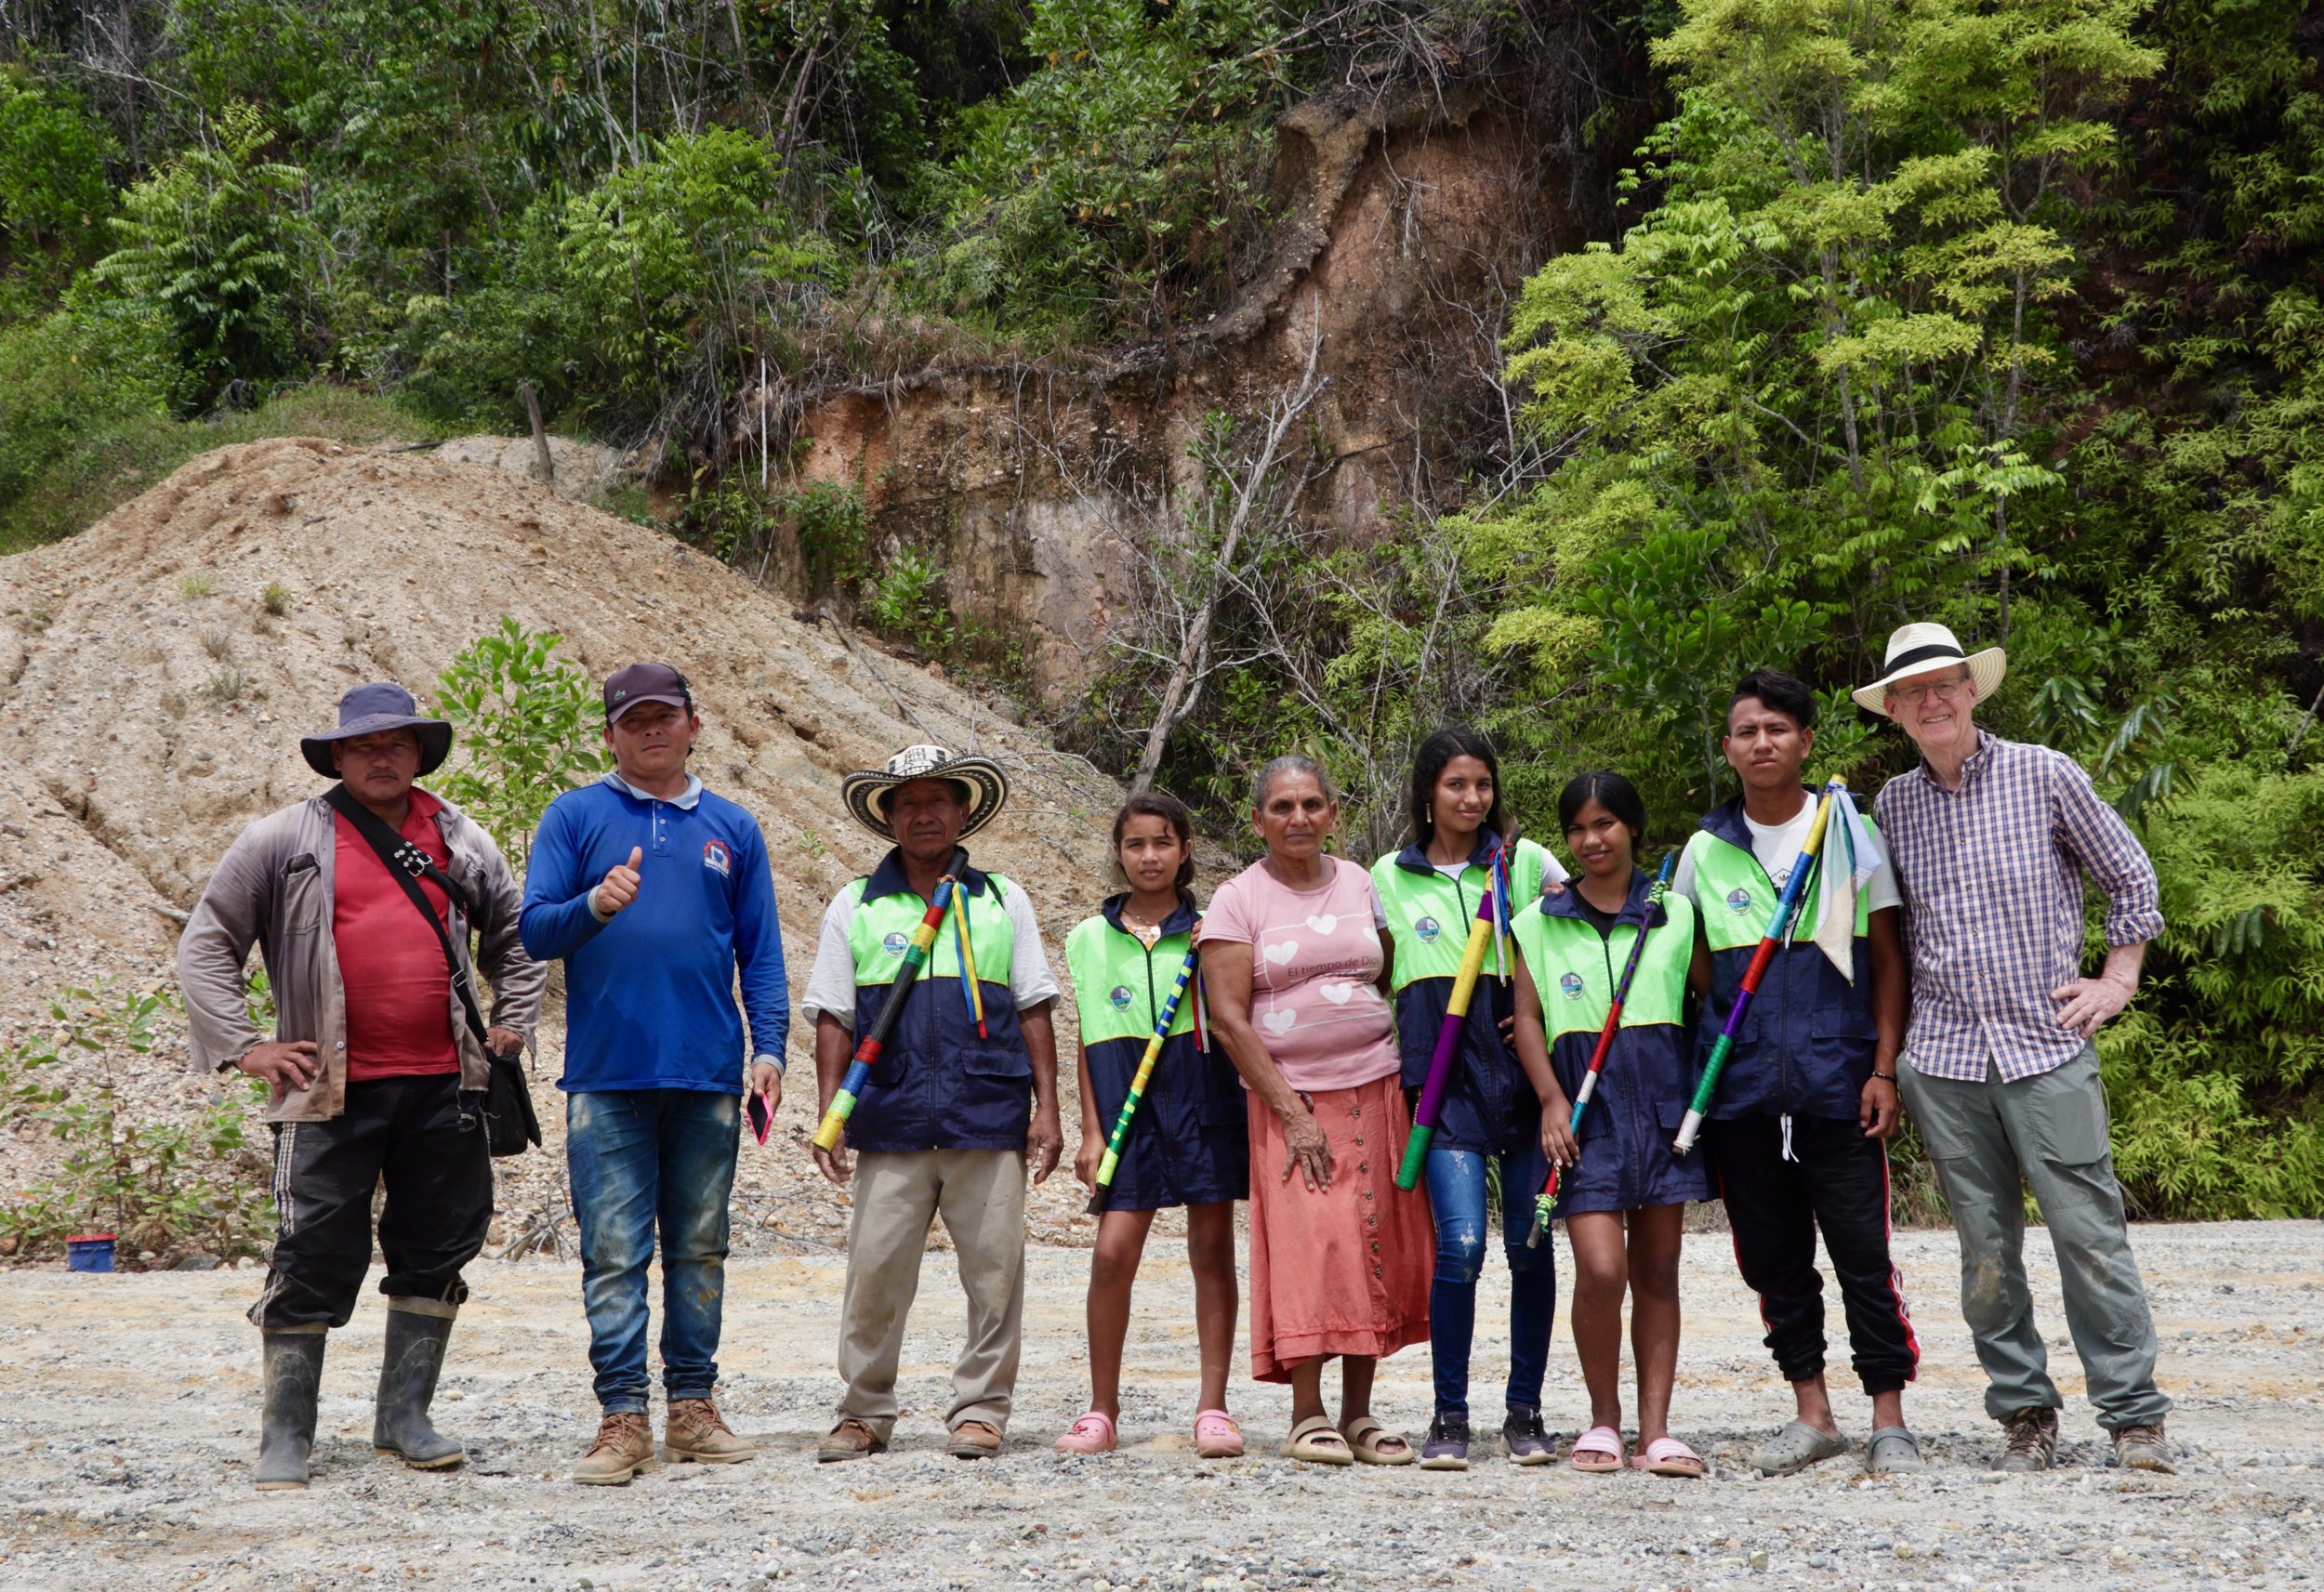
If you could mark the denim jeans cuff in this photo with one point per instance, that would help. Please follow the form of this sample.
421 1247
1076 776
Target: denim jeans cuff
622 1404
707 1390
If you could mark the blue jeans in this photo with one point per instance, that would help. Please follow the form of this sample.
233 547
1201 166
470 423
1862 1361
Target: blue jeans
1456 1198
642 1159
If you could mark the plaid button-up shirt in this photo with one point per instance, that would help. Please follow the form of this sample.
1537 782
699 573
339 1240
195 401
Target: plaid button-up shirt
1992 878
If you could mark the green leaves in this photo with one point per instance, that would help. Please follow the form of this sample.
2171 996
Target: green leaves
527 726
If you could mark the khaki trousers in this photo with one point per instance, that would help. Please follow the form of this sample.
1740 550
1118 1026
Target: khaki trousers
979 1194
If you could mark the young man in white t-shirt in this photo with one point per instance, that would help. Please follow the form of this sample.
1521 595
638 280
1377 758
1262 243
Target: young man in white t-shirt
1798 1132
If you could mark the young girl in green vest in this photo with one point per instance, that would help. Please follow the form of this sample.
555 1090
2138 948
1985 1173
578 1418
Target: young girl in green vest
1186 1144
1624 1196
1491 1106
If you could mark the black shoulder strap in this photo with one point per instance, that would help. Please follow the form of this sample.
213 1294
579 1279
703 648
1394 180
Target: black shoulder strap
409 864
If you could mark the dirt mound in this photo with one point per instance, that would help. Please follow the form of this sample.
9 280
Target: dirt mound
155 700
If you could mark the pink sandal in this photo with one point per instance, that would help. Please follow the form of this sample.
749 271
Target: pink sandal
1669 1457
1603 1445
1091 1434
1217 1436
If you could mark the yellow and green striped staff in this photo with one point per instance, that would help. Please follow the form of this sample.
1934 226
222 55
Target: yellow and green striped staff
1121 1136
867 1048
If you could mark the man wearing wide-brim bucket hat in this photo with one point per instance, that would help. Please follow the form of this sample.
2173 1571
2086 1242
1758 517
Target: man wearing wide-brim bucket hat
371 1053
1992 840
963 1097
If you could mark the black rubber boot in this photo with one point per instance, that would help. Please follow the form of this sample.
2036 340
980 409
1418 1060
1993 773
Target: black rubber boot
286 1428
407 1384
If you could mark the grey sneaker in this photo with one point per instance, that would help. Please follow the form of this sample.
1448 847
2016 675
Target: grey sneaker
1446 1447
1795 1448
2030 1441
1892 1450
1527 1442
2143 1448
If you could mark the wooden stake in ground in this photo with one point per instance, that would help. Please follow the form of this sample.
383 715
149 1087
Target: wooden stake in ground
543 465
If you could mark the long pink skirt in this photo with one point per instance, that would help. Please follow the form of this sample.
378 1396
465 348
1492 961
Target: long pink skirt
1342 1270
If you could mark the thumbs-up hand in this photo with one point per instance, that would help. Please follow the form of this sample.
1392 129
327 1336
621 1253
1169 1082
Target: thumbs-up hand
621 884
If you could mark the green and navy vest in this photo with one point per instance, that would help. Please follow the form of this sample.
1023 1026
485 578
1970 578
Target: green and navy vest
1648 1076
1489 1104
938 1086
1805 1047
1119 989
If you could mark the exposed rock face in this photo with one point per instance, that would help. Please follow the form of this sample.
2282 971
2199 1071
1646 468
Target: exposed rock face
1403 226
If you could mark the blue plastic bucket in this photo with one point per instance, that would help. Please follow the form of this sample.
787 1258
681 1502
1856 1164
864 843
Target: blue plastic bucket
89 1252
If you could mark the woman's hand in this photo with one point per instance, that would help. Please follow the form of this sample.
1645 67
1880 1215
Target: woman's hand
1086 1159
1557 1134
1306 1148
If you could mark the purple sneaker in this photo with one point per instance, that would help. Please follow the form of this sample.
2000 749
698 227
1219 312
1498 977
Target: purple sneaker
1448 1444
1527 1442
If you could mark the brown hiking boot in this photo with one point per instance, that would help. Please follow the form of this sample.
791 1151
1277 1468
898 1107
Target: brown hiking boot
2030 1441
624 1447
850 1439
694 1431
2143 1448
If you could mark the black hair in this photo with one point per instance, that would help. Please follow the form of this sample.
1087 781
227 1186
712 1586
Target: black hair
1171 811
1610 791
1779 692
1446 743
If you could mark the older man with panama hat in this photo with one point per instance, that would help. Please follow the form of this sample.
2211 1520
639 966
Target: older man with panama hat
1992 840
964 1095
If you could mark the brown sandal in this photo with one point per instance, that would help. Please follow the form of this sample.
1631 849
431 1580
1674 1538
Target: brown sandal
1317 1441
1367 1436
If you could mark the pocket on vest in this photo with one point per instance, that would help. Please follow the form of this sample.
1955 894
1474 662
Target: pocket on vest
1849 1025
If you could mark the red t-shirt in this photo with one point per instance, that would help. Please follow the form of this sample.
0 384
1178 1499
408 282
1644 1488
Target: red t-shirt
399 992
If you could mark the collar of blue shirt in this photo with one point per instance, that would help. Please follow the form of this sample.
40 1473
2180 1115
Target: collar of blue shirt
684 800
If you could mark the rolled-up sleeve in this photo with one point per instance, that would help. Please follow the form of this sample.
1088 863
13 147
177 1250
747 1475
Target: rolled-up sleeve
1030 981
2091 833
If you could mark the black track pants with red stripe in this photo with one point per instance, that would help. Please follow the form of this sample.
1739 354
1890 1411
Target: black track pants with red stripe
1836 1181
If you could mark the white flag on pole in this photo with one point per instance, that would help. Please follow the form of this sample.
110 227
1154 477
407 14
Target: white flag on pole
1852 855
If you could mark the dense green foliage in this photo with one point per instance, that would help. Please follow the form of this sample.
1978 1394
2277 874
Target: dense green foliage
527 727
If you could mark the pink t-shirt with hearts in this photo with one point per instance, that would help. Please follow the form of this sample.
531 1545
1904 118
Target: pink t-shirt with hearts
1315 963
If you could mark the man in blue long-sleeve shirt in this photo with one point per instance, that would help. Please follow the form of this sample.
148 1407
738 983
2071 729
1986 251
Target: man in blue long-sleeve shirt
656 893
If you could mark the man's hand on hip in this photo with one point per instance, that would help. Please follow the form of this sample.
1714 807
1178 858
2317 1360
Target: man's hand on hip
621 885
2086 1003
286 1067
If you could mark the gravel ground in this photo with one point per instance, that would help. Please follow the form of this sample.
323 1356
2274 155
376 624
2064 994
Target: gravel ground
128 1405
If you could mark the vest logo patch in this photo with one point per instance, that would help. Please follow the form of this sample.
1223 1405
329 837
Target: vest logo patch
1571 984
1427 928
715 855
1738 901
1120 997
895 943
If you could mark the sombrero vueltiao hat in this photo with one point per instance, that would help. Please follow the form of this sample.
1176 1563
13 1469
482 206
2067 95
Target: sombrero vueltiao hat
1917 649
981 783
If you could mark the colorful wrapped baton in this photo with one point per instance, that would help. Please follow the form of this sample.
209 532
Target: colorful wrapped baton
1104 1193
1778 930
1482 934
1547 1200
867 1048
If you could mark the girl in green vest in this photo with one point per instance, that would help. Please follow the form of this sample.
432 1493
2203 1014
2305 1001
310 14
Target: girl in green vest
1186 1144
1624 1195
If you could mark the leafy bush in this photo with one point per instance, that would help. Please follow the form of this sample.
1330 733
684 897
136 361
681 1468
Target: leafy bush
527 728
55 198
66 378
832 528
157 1185
906 605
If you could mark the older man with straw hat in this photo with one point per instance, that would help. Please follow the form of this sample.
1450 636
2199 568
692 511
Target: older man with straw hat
963 1096
1992 839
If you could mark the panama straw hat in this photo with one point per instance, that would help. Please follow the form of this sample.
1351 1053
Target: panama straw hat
1916 649
982 785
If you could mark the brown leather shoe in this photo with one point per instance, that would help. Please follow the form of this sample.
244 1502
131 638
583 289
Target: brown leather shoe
2143 1448
624 1447
974 1440
850 1439
2030 1441
693 1432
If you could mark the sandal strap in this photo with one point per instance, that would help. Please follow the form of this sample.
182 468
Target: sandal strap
1317 1426
1599 1440
1664 1449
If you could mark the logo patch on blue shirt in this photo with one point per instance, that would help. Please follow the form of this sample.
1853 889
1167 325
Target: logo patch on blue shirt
893 945
715 855
1571 984
1120 997
1427 928
1738 901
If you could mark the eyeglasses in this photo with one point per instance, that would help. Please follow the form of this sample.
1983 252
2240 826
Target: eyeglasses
1913 696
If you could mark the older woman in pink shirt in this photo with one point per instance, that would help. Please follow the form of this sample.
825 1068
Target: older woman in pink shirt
1295 960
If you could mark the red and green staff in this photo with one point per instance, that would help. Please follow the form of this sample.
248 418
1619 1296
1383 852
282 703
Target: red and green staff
1778 930
1104 1193
1483 933
1547 1200
867 1048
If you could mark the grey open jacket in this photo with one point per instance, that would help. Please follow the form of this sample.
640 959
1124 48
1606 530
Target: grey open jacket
273 889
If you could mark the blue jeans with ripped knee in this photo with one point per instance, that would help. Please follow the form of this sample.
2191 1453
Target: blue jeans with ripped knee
1456 1198
642 1162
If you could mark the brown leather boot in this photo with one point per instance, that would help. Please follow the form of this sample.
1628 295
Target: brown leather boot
624 1447
694 1431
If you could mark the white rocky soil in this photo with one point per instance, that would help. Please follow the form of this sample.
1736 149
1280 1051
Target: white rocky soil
128 1412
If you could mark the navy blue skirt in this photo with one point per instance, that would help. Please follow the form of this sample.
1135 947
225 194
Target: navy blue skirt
1188 1143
